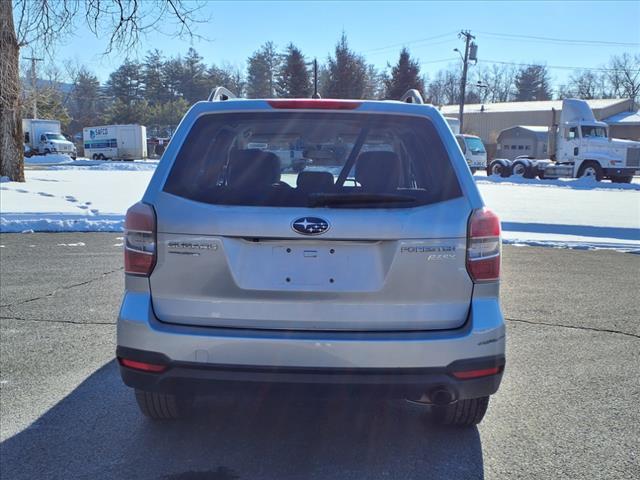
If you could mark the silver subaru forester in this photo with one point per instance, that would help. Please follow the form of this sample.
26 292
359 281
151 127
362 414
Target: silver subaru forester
309 246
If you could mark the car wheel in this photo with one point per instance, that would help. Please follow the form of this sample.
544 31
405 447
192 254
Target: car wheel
591 169
463 413
522 169
162 406
47 151
95 156
101 157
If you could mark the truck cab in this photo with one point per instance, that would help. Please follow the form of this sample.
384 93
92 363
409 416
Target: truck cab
579 146
52 142
474 151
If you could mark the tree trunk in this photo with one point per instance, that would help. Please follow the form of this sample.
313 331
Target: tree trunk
11 137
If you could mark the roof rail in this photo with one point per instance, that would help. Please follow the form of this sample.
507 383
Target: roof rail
412 96
220 94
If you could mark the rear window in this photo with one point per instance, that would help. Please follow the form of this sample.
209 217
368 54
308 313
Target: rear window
311 159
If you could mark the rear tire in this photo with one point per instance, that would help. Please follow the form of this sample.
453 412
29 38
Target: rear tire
463 413
162 406
500 168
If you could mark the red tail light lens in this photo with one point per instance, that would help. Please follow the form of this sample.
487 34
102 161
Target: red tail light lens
140 240
483 246
315 104
485 372
142 366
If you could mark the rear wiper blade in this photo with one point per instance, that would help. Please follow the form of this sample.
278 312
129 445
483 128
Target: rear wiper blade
327 199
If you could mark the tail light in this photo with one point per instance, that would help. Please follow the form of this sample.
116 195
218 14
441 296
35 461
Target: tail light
483 246
142 366
140 240
314 104
485 372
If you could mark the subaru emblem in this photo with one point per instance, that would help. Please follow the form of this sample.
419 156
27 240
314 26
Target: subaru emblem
310 225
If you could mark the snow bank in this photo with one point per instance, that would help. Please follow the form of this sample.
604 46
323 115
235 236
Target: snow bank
93 195
585 183
51 159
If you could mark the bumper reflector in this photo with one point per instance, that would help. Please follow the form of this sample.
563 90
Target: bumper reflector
145 367
485 372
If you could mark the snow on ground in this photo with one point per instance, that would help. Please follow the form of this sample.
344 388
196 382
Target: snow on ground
93 195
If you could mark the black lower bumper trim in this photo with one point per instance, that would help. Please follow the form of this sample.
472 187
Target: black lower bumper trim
203 379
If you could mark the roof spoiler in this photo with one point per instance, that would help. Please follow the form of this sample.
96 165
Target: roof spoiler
220 94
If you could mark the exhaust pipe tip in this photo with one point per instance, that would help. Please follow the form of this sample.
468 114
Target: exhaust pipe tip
440 396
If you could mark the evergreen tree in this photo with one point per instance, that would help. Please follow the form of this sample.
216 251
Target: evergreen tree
532 83
85 102
405 75
346 73
194 85
125 83
294 80
153 78
262 72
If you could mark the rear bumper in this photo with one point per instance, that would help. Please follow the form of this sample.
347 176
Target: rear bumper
204 359
203 379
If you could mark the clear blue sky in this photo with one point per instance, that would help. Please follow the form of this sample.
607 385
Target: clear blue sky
236 29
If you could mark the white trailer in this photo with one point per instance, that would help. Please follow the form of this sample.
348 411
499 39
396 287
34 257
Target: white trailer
117 142
579 146
42 137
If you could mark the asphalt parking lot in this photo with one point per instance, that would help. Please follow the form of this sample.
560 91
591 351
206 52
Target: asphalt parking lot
568 407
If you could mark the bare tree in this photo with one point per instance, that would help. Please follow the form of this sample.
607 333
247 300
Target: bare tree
42 24
624 75
585 84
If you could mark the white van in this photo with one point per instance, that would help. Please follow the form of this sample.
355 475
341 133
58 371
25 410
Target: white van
118 142
474 151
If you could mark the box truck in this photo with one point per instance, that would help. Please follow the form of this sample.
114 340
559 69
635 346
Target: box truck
42 137
116 142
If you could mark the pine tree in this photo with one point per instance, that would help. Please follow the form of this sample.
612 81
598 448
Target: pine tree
262 72
85 102
125 83
194 85
155 90
346 73
405 75
294 80
532 83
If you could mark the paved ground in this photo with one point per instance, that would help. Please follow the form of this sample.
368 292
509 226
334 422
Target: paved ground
568 407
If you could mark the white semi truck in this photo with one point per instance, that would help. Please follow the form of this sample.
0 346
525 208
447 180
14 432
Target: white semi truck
117 142
43 137
578 146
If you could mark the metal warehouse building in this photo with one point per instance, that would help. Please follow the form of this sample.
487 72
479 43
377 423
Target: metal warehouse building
488 120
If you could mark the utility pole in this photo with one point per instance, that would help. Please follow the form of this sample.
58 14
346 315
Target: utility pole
33 83
465 66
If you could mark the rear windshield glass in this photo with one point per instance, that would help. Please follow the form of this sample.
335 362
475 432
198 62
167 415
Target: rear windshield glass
308 159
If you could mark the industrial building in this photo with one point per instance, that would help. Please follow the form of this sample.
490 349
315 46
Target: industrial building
489 119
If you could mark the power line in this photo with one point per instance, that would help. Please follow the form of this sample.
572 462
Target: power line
558 67
571 41
409 42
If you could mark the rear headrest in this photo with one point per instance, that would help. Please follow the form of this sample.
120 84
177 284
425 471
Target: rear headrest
253 168
378 171
314 181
